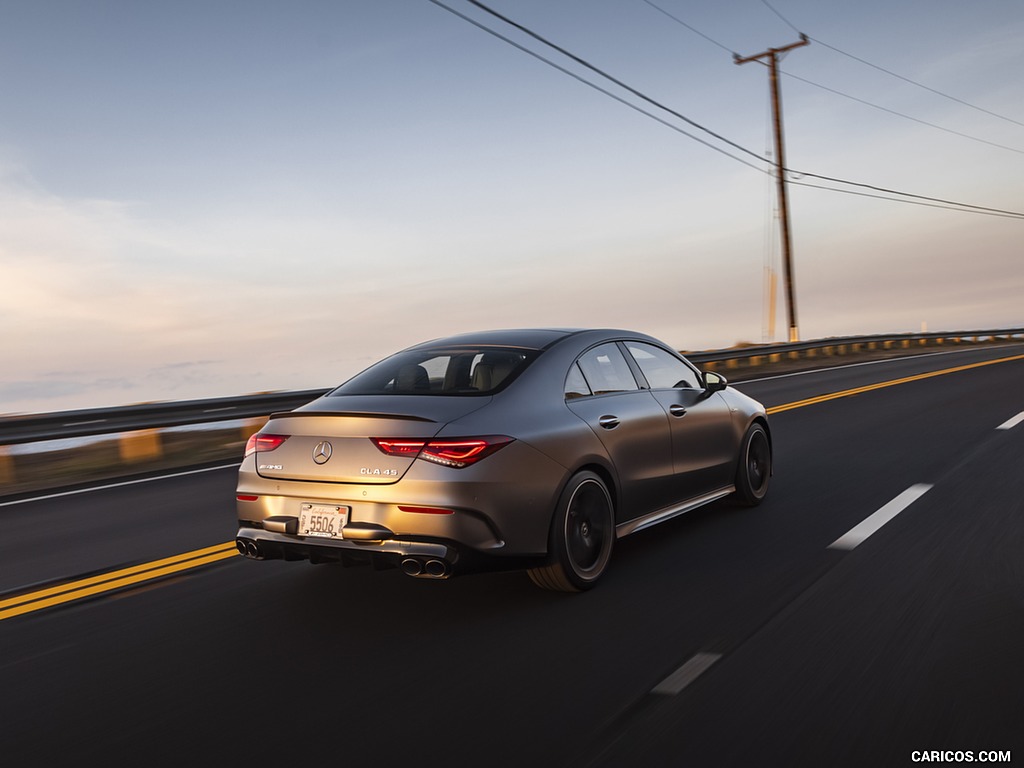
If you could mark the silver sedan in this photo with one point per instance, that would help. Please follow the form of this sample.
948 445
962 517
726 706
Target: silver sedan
514 449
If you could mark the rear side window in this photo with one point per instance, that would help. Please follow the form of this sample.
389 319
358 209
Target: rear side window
458 371
575 384
606 370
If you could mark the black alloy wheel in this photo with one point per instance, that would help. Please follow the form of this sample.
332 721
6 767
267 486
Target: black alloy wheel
754 468
582 534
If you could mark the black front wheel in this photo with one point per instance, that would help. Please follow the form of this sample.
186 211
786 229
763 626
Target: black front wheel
754 468
582 534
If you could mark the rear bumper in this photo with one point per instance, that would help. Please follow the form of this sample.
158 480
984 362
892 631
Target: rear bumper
501 506
416 558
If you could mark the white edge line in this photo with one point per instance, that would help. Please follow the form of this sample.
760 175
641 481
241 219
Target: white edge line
686 674
869 525
115 485
1011 423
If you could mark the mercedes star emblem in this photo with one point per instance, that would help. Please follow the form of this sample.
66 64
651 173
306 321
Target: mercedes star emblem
322 452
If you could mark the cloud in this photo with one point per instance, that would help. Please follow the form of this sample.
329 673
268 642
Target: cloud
268 294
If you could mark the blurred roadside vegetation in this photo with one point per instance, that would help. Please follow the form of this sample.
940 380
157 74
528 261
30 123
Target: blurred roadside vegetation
39 467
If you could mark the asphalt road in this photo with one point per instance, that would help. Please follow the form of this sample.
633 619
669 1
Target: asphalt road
727 637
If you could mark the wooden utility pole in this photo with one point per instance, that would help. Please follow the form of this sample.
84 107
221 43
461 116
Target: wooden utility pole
772 57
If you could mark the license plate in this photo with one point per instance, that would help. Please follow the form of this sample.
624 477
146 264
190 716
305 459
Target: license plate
324 520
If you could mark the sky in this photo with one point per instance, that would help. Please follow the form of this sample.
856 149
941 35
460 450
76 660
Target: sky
209 199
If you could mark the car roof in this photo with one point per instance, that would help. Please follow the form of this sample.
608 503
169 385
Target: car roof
533 338
527 338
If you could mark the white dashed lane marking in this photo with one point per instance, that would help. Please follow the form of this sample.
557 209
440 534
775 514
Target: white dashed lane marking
1012 422
686 674
858 533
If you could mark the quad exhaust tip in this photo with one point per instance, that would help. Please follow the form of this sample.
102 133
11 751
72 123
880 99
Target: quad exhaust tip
437 569
425 569
249 548
429 568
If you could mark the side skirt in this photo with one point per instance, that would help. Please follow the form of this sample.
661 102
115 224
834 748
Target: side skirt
661 515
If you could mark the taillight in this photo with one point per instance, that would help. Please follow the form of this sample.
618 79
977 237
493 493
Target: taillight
456 453
407 448
462 453
263 443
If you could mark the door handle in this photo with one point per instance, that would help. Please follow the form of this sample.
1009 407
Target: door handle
677 410
609 422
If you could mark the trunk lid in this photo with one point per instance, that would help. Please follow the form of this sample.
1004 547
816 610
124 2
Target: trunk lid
329 440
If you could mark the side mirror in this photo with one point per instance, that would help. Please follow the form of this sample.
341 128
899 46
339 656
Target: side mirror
714 382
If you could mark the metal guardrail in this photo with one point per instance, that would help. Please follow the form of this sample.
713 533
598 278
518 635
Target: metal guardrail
90 422
856 343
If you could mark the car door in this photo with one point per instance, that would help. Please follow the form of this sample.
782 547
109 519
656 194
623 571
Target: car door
632 426
704 443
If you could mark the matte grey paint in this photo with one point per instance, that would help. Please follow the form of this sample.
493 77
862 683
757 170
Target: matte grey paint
671 450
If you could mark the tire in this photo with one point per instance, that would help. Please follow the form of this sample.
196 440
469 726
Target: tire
581 538
754 467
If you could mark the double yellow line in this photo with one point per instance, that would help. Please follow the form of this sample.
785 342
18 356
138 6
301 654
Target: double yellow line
106 582
884 384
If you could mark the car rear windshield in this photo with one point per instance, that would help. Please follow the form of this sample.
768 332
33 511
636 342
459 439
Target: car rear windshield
448 371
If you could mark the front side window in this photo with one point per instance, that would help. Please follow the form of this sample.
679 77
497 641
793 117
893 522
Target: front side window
606 370
662 369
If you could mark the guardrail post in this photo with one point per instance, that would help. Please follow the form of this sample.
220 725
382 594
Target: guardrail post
140 446
251 427
7 473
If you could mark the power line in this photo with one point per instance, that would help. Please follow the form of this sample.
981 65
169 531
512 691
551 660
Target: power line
952 207
896 75
921 85
787 21
674 113
602 73
979 208
692 29
606 92
838 92
900 114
